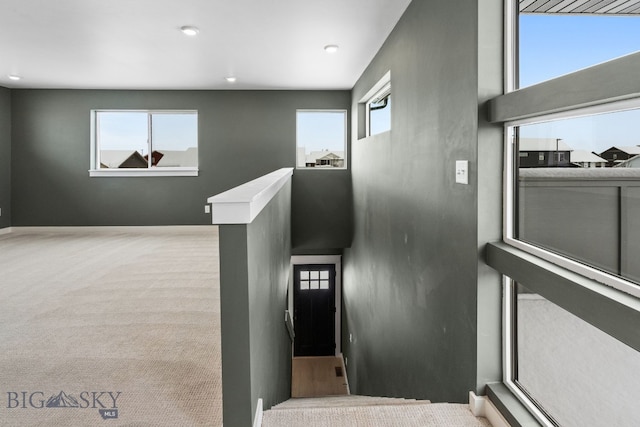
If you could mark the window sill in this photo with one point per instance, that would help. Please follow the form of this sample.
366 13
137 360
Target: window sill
298 168
118 173
577 294
510 407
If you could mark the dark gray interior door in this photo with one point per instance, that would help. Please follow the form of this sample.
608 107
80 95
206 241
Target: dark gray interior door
314 309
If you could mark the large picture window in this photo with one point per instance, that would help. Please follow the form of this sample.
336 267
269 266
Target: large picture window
577 374
146 143
578 189
572 203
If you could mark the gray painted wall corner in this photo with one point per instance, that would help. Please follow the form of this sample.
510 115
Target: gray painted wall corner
411 273
322 210
235 330
490 195
55 124
254 274
269 255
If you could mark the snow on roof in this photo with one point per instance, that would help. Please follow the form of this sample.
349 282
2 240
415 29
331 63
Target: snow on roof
583 156
543 144
114 158
632 162
325 154
632 149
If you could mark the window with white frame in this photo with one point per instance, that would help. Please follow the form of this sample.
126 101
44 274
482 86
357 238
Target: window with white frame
565 204
321 139
379 111
143 143
572 200
376 107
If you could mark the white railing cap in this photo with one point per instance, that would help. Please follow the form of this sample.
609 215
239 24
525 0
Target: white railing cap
242 204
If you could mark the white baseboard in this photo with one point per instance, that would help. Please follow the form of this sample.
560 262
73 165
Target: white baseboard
481 406
106 228
257 420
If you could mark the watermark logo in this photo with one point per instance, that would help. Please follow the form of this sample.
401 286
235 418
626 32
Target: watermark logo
106 402
62 401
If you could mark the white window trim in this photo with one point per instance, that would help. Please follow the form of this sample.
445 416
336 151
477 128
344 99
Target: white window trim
139 173
96 172
605 278
323 110
508 352
381 87
509 181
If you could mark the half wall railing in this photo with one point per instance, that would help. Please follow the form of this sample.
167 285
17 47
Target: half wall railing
255 249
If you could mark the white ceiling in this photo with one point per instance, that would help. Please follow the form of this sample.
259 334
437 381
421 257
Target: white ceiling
137 44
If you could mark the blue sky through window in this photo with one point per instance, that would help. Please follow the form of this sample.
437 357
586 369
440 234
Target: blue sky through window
321 130
128 130
552 45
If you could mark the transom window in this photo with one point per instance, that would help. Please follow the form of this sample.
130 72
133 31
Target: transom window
376 106
134 143
314 280
379 111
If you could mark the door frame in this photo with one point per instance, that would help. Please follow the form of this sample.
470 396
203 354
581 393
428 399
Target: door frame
322 259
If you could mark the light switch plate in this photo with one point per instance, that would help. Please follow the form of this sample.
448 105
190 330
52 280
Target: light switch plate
462 171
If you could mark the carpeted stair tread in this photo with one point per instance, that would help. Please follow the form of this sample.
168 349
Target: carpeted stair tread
409 415
345 401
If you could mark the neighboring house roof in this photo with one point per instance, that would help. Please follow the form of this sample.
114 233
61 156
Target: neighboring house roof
114 159
174 158
314 156
543 144
330 156
135 160
632 162
583 156
630 149
633 149
156 156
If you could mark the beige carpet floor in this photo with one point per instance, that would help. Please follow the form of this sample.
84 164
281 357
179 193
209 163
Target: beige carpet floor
93 312
385 413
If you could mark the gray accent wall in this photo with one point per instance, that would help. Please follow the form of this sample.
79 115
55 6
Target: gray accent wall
322 210
411 275
242 135
5 157
254 275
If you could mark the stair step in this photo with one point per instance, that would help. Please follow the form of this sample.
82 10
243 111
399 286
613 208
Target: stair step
345 401
405 415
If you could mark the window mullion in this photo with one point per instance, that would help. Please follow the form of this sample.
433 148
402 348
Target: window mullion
96 157
149 140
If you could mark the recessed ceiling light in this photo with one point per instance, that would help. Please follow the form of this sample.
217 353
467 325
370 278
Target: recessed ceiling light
14 77
331 48
189 30
230 79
